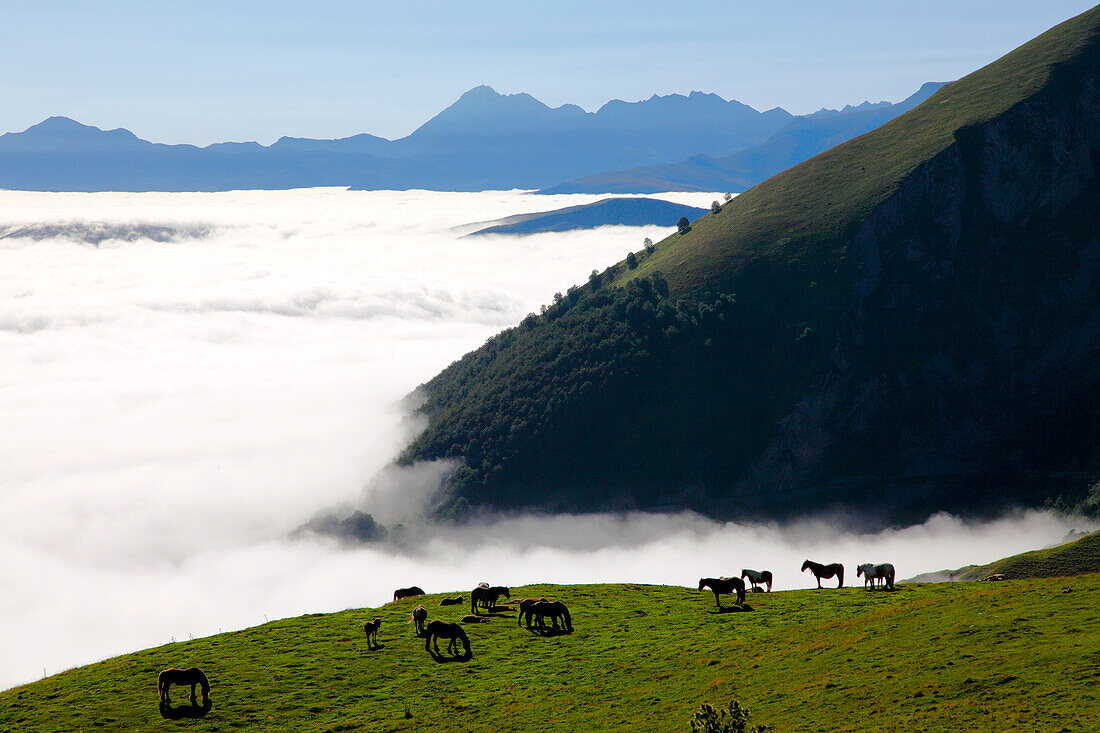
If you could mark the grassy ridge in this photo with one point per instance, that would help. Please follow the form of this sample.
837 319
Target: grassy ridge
965 657
805 212
1074 558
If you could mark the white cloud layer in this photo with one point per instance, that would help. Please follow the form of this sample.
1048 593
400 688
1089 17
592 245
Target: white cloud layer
186 378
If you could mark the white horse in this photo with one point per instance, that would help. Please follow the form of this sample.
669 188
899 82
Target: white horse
871 573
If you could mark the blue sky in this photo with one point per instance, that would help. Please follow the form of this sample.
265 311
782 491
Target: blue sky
202 72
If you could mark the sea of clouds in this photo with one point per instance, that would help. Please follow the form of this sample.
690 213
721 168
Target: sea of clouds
185 379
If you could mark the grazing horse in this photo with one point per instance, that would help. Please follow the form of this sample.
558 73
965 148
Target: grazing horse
407 593
724 585
871 573
525 609
419 618
825 571
758 577
553 610
443 629
488 597
370 628
192 676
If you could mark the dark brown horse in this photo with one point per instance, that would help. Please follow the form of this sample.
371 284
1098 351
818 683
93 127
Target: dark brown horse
525 610
487 597
192 676
419 617
370 628
407 593
825 571
445 630
451 601
553 610
724 585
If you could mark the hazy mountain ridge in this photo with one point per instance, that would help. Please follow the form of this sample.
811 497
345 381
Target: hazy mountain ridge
606 212
483 141
903 324
801 138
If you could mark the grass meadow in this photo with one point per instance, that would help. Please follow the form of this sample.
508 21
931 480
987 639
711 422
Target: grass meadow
1017 655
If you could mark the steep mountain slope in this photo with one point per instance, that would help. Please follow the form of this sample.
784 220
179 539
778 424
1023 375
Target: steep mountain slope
798 140
484 140
905 323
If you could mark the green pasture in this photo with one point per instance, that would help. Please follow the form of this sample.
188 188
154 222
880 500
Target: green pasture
1011 656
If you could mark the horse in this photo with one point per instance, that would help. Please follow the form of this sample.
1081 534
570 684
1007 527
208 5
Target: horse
451 601
419 617
370 628
407 593
825 571
525 610
488 597
192 676
758 577
724 585
541 610
446 630
871 573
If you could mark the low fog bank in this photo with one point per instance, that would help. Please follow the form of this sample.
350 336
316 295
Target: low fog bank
186 378
111 609
189 378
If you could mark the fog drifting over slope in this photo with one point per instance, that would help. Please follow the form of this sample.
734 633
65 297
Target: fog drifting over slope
186 378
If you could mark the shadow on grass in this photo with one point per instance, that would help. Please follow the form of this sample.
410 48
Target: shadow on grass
184 711
441 659
733 609
549 631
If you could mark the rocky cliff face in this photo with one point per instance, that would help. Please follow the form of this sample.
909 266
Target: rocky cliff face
968 352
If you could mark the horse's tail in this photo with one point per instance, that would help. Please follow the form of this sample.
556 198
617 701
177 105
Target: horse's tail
473 602
768 579
840 576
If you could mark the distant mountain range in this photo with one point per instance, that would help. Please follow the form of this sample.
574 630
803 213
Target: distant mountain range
800 139
484 140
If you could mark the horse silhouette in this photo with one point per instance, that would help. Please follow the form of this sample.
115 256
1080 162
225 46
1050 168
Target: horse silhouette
553 610
370 628
825 571
191 676
451 601
446 630
758 577
407 593
487 597
724 585
419 617
872 572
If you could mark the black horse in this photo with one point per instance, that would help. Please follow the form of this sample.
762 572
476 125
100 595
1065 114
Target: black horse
724 585
487 597
525 609
825 571
407 593
553 610
446 630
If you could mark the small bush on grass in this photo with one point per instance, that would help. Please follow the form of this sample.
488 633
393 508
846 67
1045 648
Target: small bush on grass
735 719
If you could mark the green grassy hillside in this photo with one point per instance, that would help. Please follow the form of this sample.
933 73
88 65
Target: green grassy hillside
903 321
1013 656
1079 557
